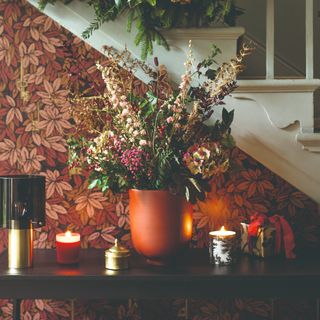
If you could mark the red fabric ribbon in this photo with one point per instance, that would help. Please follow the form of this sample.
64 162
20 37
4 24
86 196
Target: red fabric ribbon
283 232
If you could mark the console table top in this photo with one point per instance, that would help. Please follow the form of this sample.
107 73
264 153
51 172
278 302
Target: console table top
191 276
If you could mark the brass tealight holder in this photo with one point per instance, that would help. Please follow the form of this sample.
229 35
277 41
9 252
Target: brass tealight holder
117 257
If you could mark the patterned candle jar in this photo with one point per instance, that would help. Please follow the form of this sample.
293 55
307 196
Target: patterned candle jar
222 247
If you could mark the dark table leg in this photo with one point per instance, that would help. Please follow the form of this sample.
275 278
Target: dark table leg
16 309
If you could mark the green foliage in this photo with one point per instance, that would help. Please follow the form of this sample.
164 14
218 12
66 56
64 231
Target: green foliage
148 105
209 64
150 16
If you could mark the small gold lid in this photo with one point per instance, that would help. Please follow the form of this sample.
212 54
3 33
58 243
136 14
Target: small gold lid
117 251
117 257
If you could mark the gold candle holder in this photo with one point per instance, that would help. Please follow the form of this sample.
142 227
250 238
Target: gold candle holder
117 257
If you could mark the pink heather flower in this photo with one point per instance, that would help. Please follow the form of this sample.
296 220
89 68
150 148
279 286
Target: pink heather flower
134 160
170 119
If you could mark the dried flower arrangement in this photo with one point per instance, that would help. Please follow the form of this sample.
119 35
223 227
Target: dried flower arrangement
150 16
159 140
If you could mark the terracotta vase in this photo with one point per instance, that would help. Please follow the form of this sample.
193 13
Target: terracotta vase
161 224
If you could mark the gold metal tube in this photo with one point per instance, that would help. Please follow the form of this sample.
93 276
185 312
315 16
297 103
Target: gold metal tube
20 248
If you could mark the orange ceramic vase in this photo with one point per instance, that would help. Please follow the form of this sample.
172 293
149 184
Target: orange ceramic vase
161 224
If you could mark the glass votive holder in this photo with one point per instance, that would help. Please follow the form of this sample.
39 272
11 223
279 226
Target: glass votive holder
223 247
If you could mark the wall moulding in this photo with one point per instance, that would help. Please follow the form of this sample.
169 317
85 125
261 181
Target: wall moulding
284 101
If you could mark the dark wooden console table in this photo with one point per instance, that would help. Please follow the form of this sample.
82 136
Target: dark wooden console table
193 277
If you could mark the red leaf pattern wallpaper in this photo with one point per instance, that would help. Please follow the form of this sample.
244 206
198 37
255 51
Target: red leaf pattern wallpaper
34 127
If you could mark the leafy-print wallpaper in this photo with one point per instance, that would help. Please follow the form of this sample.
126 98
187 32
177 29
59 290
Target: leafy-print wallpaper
33 132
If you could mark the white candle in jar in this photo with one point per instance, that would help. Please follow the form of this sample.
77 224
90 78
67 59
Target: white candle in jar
222 246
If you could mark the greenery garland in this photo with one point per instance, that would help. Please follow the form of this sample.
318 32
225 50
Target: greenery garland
150 16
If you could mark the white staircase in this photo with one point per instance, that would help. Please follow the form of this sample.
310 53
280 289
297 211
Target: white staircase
274 118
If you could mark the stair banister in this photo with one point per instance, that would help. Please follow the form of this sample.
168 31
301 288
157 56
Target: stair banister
270 33
309 39
270 40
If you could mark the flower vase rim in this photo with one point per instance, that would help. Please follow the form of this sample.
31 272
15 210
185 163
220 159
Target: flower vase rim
160 191
135 189
149 190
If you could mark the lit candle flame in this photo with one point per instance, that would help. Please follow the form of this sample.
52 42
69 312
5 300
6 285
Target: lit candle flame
222 233
68 234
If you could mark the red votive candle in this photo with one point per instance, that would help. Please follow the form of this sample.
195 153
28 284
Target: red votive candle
68 247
